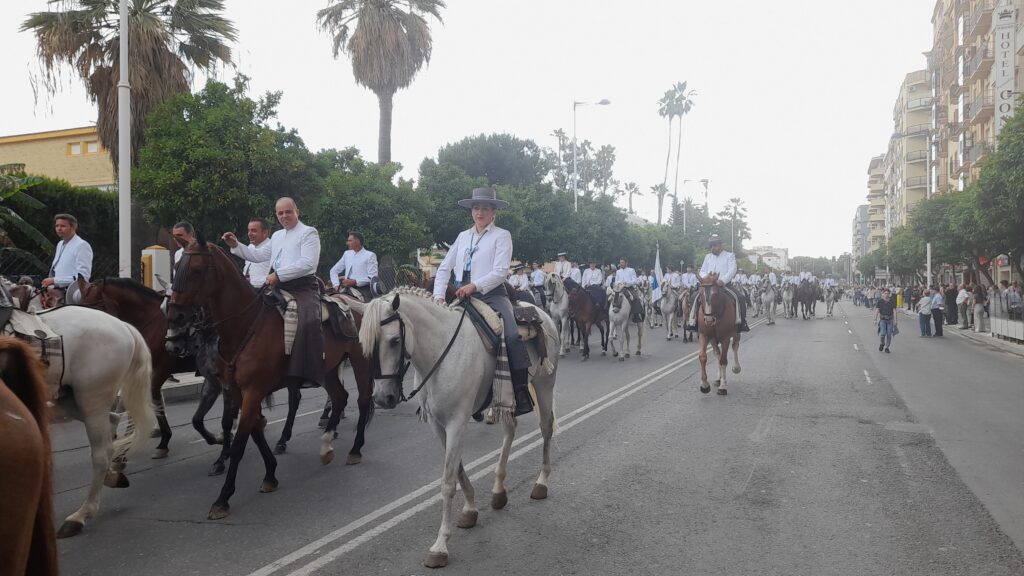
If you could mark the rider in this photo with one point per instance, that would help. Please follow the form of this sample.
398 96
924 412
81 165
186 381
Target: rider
356 268
627 277
72 258
592 282
184 233
258 232
478 261
562 266
689 279
772 279
722 263
293 253
574 272
537 285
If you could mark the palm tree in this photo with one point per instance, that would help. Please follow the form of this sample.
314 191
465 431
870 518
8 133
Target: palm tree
167 40
666 109
660 190
682 104
389 44
13 197
632 190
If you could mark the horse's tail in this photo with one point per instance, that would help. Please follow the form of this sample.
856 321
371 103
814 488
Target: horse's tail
136 397
24 377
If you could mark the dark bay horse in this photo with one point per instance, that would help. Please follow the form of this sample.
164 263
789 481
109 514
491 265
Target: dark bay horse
252 359
28 545
806 295
586 315
716 324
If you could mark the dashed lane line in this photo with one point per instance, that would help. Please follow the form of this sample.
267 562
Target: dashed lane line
867 377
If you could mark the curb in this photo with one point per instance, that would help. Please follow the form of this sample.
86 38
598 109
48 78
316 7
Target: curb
983 338
187 388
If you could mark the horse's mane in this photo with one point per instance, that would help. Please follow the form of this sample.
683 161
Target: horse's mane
379 309
135 287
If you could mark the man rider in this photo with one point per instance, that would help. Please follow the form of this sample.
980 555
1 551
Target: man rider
356 268
627 277
537 285
593 284
258 232
562 266
723 264
73 256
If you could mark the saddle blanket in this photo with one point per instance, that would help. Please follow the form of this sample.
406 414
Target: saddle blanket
47 344
290 315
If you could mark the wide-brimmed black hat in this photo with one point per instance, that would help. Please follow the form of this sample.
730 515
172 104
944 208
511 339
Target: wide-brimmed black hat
484 196
715 239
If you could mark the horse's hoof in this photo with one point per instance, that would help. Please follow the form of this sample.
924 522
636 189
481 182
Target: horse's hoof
499 500
322 423
159 453
353 459
218 440
722 391
604 353
622 359
540 492
154 433
638 353
268 486
281 448
614 354
115 480
327 457
668 338
468 519
218 512
705 389
584 359
216 470
627 354
736 369
436 560
70 528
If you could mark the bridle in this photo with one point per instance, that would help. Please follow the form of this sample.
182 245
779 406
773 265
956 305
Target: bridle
406 358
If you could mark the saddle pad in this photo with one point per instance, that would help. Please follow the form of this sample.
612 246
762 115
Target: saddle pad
291 320
47 344
336 310
489 315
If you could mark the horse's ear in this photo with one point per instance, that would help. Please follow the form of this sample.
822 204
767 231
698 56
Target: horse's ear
201 239
395 302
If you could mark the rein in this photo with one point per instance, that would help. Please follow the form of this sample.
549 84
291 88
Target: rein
400 375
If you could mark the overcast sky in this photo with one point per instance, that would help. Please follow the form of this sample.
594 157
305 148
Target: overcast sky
794 96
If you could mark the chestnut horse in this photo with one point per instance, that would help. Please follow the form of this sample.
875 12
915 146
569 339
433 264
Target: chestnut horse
252 358
716 324
586 315
28 545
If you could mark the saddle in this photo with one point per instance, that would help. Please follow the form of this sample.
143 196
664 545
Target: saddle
47 344
334 311
491 329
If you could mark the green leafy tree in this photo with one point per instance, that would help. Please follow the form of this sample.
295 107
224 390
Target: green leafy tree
14 198
502 159
632 190
1001 189
388 41
660 190
732 224
444 185
906 255
604 166
169 40
682 103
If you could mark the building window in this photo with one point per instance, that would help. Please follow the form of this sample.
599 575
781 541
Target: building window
75 149
92 147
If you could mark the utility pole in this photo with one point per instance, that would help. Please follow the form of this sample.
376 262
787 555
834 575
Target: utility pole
124 155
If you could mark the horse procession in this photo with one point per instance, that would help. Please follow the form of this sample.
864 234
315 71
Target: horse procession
480 340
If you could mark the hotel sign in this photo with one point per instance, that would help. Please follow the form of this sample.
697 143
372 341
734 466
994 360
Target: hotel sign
1004 25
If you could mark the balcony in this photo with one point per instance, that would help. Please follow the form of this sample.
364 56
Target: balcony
917 156
980 20
919 104
980 64
979 151
915 130
981 108
916 182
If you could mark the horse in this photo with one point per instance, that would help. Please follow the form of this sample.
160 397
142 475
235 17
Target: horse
831 295
667 304
651 311
252 359
805 296
789 301
755 301
686 299
716 324
619 318
102 355
28 545
586 314
408 327
767 301
558 308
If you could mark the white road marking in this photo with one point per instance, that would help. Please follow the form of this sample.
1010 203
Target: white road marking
855 347
487 460
867 377
850 331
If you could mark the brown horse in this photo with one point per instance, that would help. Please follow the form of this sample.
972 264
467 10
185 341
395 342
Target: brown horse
28 545
716 324
586 315
686 298
252 359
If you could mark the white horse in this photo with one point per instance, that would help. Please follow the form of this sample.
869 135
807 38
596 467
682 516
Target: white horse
831 295
558 307
668 302
619 317
102 356
755 301
787 299
767 302
408 323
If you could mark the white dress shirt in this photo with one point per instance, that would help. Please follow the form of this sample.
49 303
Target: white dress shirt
360 266
519 282
256 272
537 278
741 278
724 265
576 275
291 253
675 280
689 279
562 268
489 263
772 278
592 277
71 258
625 276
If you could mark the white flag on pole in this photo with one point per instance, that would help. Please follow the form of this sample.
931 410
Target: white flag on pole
658 281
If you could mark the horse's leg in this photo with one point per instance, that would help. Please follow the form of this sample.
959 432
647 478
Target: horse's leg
270 482
736 353
702 353
364 385
227 420
566 333
544 386
625 337
161 420
247 422
585 339
723 364
206 400
452 438
294 397
97 428
499 495
469 511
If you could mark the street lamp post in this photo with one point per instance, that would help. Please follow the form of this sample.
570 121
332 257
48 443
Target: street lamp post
124 153
575 175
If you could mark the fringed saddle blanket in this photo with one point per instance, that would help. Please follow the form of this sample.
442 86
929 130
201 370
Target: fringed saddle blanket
47 344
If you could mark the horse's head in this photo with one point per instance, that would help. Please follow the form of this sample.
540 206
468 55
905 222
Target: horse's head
195 275
388 347
179 327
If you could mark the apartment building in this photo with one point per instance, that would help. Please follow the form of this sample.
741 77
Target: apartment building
774 258
877 204
906 162
75 155
859 240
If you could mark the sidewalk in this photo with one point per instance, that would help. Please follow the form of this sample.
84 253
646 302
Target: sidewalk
186 388
982 338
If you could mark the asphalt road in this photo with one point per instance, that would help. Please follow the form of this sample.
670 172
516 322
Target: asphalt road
826 457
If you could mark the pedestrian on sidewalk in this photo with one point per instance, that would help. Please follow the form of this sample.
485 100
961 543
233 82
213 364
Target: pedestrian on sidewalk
962 298
885 319
924 316
980 301
938 301
951 306
908 297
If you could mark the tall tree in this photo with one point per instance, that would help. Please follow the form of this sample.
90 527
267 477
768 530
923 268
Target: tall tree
660 190
15 199
501 158
681 106
388 42
168 40
1001 189
667 109
604 164
632 190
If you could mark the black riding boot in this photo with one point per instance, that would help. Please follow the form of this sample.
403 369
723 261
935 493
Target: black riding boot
521 388
743 316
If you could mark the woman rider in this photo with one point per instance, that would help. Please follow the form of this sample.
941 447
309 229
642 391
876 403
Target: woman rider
478 262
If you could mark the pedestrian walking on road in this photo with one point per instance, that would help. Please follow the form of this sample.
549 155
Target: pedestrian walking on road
885 319
980 301
938 302
951 310
924 315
